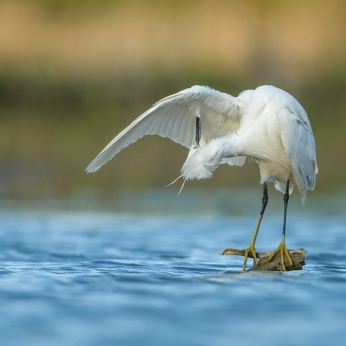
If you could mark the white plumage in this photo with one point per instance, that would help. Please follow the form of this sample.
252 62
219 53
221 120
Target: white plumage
266 124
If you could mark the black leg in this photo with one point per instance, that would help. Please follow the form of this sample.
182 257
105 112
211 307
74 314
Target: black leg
251 249
282 247
198 131
286 198
264 198
264 205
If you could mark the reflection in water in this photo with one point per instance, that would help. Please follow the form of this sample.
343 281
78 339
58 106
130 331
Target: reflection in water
82 277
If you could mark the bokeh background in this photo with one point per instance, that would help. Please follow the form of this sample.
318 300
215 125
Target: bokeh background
74 73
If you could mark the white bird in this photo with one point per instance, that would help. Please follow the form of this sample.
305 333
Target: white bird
267 125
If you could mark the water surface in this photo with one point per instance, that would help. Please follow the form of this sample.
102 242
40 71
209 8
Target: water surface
97 276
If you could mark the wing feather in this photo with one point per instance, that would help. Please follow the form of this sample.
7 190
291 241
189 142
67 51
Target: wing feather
299 143
174 117
183 129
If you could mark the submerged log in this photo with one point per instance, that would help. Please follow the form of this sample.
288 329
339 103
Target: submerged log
297 256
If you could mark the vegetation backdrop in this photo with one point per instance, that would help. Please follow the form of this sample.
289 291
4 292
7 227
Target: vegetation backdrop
73 74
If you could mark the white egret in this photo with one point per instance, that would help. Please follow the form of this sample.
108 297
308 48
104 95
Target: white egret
267 125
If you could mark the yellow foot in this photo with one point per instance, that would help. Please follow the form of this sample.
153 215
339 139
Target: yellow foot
250 250
283 251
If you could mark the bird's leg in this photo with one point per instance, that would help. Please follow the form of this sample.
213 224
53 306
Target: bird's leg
282 247
251 249
198 131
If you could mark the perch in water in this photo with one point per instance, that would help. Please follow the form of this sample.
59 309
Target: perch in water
267 125
269 262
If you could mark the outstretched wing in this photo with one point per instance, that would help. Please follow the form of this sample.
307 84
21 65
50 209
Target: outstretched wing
299 142
174 117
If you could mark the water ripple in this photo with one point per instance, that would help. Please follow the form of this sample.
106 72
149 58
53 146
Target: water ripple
96 278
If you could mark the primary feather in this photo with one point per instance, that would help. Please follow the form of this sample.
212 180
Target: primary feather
174 117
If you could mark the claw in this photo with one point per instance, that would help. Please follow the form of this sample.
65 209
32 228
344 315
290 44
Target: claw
283 251
250 250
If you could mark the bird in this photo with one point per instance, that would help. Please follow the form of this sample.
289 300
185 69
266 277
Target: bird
266 125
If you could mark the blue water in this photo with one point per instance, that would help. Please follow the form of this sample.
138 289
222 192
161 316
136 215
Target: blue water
76 274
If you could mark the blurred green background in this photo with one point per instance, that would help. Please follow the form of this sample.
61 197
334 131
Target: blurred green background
73 74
